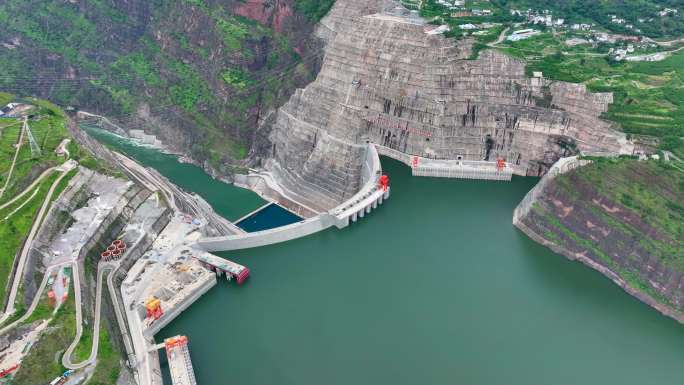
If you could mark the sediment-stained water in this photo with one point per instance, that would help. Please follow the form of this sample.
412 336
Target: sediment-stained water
435 287
229 201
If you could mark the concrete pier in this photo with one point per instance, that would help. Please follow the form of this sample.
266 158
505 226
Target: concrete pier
180 364
222 265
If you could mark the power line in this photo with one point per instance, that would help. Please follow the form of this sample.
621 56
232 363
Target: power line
273 75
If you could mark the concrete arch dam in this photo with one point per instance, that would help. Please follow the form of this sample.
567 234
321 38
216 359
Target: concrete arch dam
369 197
372 194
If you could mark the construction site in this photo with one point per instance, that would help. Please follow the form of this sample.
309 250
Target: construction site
108 252
120 251
139 244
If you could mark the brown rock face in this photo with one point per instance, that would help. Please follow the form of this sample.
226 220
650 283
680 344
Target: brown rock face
386 79
267 12
624 219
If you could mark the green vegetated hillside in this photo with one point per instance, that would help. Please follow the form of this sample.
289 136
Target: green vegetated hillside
589 41
21 198
17 216
314 9
26 183
648 96
625 215
642 14
208 69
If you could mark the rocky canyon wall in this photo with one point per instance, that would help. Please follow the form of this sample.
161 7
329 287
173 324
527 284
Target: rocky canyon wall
621 217
387 79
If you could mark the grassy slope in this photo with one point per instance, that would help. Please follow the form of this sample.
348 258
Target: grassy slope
49 130
314 9
43 364
627 215
107 369
14 230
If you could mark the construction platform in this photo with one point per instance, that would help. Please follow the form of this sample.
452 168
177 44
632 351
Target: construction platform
218 265
180 365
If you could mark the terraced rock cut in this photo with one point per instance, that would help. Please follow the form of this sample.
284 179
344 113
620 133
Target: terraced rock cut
387 80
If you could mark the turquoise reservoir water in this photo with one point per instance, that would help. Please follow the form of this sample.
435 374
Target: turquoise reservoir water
435 287
229 201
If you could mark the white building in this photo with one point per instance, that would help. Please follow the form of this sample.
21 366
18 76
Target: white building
467 27
522 34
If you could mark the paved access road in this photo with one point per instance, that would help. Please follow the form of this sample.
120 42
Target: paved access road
64 168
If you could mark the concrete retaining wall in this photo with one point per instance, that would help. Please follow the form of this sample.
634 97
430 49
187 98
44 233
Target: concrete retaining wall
562 166
267 237
170 315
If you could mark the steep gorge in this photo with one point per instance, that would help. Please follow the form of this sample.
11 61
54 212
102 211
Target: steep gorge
199 74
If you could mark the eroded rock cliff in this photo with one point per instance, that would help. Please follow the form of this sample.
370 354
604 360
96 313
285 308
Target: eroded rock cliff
621 217
387 79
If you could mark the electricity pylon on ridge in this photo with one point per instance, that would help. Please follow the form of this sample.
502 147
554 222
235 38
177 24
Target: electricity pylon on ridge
35 148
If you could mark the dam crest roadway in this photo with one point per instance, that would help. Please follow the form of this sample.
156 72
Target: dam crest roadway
369 197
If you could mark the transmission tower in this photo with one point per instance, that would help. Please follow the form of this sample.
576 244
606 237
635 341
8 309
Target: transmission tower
35 148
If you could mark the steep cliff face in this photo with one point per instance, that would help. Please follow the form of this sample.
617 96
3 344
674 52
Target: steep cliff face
387 79
199 74
623 218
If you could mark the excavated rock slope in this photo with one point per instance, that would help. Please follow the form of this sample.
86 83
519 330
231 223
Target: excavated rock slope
386 79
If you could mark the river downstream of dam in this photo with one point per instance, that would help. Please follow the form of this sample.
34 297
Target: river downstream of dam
435 287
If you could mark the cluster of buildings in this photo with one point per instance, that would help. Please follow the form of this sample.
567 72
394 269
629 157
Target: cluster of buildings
668 12
544 17
470 27
461 10
452 4
620 21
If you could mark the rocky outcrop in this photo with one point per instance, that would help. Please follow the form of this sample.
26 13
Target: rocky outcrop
267 12
622 218
388 80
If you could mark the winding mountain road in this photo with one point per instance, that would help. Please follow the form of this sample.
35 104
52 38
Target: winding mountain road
9 309
66 358
27 189
34 304
500 39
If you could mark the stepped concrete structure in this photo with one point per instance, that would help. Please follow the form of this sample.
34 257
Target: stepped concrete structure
387 81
